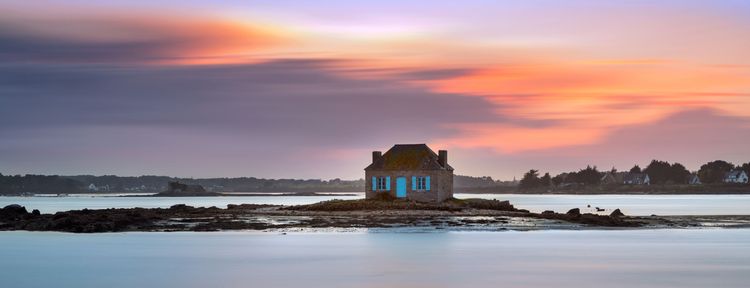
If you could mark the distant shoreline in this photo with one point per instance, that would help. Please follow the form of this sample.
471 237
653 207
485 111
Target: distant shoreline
707 189
242 194
609 193
352 194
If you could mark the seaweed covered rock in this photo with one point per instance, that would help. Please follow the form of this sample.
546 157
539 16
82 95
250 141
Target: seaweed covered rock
574 212
493 204
12 212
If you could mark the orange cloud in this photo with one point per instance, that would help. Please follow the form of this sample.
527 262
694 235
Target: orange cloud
141 37
588 100
219 42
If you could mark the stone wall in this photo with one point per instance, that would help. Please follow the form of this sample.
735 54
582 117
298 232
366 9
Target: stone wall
441 184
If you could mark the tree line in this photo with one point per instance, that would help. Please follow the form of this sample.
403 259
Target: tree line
659 172
54 184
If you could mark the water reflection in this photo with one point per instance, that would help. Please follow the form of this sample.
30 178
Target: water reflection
635 258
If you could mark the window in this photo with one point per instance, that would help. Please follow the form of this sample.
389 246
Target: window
381 183
420 183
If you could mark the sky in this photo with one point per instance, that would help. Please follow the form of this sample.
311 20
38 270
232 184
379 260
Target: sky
307 89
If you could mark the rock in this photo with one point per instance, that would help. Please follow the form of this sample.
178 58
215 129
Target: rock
12 211
599 209
574 212
15 208
616 213
36 212
179 207
489 204
548 212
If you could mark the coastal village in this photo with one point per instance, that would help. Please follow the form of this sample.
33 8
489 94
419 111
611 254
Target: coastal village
417 171
410 185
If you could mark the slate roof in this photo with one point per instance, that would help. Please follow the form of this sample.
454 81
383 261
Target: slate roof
635 178
408 157
624 178
733 174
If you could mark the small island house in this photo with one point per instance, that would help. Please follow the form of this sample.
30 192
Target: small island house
410 171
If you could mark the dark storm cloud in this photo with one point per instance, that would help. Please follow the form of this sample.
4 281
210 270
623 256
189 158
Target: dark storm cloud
294 100
30 48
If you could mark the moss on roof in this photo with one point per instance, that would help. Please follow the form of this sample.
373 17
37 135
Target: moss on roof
408 157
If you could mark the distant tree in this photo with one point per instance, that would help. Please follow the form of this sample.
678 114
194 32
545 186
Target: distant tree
546 180
713 172
658 171
559 179
678 173
530 180
745 167
588 176
635 169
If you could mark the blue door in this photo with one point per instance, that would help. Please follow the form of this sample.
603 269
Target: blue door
401 187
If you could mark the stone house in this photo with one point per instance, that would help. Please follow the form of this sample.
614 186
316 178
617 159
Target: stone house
410 171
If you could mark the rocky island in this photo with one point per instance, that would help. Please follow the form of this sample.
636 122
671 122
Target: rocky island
177 189
454 214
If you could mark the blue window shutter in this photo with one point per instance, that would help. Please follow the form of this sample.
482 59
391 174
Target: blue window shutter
388 183
413 182
374 183
427 182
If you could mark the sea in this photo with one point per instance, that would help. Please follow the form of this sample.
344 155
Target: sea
707 257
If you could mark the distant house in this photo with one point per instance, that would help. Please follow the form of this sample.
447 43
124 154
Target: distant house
410 171
93 187
610 178
736 176
636 179
693 179
626 178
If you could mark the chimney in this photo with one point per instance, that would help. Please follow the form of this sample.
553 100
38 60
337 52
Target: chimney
376 155
443 157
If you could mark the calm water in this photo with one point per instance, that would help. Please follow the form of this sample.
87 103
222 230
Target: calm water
629 204
634 258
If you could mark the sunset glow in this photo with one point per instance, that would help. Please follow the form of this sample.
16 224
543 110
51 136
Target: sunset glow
523 78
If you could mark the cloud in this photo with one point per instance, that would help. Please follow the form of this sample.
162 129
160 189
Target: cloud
144 38
276 111
691 137
81 83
